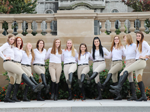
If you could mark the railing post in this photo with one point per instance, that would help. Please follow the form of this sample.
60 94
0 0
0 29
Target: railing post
1 30
122 29
48 30
10 30
19 31
39 30
29 30
112 29
142 28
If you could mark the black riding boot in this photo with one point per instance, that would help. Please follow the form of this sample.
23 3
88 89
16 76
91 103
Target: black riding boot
142 89
25 93
47 86
99 91
53 90
106 81
56 91
34 87
132 87
93 76
7 97
69 81
14 98
39 96
70 94
83 92
121 81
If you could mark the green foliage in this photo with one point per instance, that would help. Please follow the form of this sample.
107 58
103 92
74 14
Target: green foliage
90 89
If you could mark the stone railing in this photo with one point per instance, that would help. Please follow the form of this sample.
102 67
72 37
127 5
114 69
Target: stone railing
77 25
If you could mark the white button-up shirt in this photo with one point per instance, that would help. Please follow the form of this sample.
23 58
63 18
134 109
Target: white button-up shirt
25 59
84 59
17 54
130 51
39 56
53 58
6 51
68 58
145 50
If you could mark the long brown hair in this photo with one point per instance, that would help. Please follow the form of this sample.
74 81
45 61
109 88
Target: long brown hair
113 43
37 44
129 39
9 36
72 48
53 51
140 42
16 45
86 50
32 52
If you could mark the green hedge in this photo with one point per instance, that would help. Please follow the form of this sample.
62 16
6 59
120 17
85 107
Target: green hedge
90 89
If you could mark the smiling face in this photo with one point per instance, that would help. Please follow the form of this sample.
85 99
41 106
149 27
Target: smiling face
116 40
138 37
83 48
96 42
41 44
29 46
69 44
11 40
19 42
57 43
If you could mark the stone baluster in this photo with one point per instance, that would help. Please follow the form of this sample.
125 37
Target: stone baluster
29 30
122 29
19 31
113 29
1 30
132 29
103 29
48 30
39 30
10 30
142 28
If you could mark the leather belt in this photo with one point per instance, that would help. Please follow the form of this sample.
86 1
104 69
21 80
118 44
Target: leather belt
99 61
39 64
69 63
26 65
116 60
83 64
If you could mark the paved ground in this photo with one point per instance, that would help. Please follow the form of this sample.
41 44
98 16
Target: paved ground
76 106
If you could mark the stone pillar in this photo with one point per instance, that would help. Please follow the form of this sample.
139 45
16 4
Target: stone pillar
1 30
122 29
39 30
29 30
48 30
103 29
19 31
10 30
112 29
142 28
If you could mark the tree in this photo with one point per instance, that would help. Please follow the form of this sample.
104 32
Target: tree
138 5
17 6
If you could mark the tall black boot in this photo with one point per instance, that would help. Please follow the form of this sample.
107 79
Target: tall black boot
132 87
142 89
47 86
99 91
69 81
82 80
93 76
83 92
56 91
14 98
7 97
34 87
53 90
70 94
39 96
33 80
106 81
25 93
121 81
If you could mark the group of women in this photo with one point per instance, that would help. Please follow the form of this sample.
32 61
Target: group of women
17 62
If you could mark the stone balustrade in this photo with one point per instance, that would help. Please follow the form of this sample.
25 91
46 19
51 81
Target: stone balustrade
75 25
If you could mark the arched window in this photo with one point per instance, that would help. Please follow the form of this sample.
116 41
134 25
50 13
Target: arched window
115 11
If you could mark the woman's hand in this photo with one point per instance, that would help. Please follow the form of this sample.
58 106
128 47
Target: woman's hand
141 57
8 58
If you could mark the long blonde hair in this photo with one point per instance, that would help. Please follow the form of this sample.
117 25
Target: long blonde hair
113 43
32 52
53 51
129 39
72 48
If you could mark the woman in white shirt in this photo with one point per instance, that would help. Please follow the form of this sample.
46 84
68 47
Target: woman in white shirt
83 66
7 53
99 64
130 53
39 64
117 53
54 55
142 52
69 57
28 57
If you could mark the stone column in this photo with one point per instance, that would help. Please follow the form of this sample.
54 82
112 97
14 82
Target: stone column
132 29
103 29
19 31
1 30
142 28
48 30
29 30
10 30
112 29
122 29
39 30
